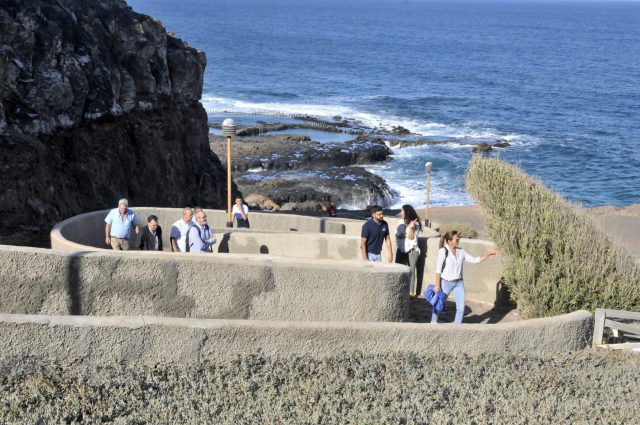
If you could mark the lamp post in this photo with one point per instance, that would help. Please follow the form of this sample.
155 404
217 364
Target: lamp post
427 167
229 130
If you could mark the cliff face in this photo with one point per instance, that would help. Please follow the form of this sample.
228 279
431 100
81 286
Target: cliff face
97 102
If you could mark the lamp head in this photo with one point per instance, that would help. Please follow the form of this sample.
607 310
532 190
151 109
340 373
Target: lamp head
229 127
427 167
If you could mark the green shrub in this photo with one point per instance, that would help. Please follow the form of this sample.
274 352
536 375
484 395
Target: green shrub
465 230
557 260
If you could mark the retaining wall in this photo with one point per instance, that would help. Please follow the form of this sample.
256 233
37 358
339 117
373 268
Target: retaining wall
293 236
88 229
231 286
145 339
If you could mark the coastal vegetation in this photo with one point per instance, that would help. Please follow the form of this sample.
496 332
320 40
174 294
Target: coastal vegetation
556 259
583 387
465 230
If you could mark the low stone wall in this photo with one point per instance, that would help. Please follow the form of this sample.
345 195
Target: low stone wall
282 235
231 286
293 236
151 340
88 229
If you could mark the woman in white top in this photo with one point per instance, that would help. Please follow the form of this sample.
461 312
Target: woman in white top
451 259
408 252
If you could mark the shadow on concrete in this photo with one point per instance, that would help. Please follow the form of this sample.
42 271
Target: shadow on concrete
223 246
74 282
503 306
420 309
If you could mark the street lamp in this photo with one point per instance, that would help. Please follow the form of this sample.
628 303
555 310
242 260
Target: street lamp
427 167
229 130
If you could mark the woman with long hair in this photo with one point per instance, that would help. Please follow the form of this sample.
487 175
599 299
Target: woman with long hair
407 251
451 258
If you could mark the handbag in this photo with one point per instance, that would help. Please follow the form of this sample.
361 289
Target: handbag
437 300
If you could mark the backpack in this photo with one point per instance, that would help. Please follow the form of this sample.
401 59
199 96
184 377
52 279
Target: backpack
187 247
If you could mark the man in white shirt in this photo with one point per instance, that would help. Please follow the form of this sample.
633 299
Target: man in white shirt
240 213
179 231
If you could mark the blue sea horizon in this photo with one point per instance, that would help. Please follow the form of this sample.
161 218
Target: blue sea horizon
558 80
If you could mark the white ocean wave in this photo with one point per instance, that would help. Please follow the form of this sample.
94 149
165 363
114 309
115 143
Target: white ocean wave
469 130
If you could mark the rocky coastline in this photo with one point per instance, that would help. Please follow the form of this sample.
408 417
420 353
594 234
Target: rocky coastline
297 173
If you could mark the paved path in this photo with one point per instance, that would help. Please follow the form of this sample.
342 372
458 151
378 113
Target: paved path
420 312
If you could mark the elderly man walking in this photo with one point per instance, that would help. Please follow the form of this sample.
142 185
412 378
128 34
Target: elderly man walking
179 231
117 229
200 237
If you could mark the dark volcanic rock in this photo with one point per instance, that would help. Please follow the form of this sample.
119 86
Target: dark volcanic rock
284 152
297 173
97 102
481 148
353 187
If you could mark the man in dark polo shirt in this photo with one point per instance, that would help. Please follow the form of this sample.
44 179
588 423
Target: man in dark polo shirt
374 232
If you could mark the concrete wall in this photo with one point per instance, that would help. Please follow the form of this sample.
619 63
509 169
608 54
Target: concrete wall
283 235
88 228
482 282
146 339
231 286
313 238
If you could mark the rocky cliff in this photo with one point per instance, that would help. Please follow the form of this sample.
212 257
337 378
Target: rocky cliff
97 102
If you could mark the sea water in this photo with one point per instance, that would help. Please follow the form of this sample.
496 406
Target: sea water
559 80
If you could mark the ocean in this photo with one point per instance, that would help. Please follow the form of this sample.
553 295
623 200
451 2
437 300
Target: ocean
560 81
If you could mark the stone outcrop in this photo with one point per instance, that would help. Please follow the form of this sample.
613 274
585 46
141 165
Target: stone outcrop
97 102
299 174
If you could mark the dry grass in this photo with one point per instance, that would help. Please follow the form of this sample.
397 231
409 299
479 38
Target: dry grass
557 261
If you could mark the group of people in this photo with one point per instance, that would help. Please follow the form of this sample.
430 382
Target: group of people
191 233
450 260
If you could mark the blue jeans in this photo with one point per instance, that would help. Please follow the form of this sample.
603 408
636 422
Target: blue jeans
374 257
458 291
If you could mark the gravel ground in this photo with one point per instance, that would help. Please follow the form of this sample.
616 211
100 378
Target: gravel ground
586 387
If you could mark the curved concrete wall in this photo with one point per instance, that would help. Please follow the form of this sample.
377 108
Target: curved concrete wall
293 236
282 235
145 339
232 286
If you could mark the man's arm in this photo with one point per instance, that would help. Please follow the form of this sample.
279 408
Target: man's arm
363 246
136 223
107 233
388 242
173 238
244 213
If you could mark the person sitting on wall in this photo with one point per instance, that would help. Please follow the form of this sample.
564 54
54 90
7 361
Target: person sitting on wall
200 237
179 231
331 210
117 229
240 212
374 232
151 239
